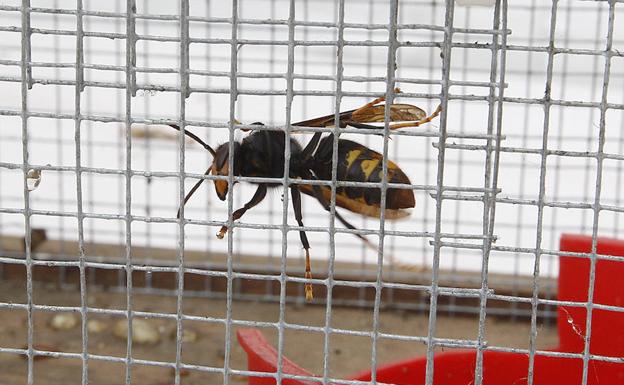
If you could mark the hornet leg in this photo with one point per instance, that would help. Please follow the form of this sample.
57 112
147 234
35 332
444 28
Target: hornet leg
257 198
296 202
321 198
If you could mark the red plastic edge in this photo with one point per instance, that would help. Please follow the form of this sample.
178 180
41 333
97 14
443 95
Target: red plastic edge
457 367
262 357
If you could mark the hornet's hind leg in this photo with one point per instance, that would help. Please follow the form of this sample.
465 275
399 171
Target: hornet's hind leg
296 202
321 198
404 266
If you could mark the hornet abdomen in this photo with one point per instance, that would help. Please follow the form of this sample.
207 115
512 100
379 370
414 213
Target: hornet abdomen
357 163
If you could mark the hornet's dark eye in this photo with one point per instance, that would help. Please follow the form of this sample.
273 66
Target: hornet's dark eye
222 156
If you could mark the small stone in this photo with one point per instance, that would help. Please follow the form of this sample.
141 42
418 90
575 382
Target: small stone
63 321
95 326
143 331
188 335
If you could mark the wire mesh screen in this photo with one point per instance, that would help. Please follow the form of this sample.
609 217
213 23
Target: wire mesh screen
527 146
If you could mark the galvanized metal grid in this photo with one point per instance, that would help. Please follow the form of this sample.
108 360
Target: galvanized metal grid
490 194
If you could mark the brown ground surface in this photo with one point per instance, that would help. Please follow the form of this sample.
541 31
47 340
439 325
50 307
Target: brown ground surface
349 354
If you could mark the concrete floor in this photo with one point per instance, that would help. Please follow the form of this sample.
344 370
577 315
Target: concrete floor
349 354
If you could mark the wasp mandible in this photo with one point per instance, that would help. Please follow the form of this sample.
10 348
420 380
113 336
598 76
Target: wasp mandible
261 154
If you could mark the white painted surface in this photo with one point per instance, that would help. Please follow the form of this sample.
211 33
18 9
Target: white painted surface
569 179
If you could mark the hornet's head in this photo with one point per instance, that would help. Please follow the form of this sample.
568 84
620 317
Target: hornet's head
221 166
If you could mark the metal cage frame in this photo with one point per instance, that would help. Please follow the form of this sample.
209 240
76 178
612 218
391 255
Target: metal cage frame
488 194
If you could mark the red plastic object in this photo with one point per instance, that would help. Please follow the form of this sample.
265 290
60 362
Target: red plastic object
457 368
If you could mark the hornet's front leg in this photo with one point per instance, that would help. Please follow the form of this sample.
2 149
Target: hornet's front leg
257 198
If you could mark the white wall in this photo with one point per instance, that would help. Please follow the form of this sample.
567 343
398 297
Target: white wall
580 25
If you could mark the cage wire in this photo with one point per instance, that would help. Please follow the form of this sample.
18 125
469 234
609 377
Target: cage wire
520 154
